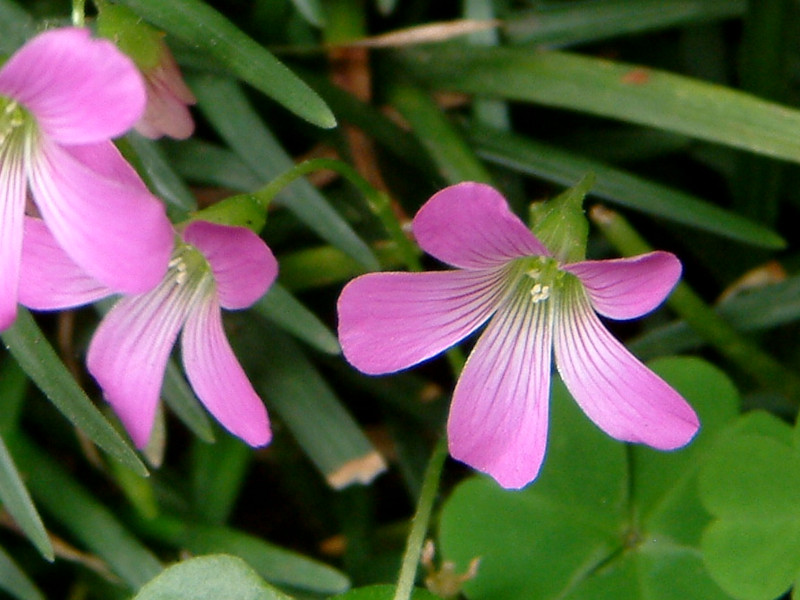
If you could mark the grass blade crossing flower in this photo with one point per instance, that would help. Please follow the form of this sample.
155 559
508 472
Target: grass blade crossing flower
534 302
212 267
63 96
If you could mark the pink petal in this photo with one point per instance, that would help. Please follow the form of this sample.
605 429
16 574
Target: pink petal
218 379
49 278
129 351
80 90
391 321
627 288
167 97
114 229
470 226
498 419
243 264
616 391
12 208
164 115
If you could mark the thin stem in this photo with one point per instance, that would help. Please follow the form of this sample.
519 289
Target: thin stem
79 13
378 201
419 525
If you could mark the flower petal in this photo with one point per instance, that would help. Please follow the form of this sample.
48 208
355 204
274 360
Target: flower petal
12 209
391 321
616 391
129 351
498 419
49 278
165 114
80 90
627 288
243 265
114 229
217 377
470 226
167 98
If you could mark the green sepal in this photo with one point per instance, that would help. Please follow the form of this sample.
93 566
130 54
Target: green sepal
560 223
242 210
137 39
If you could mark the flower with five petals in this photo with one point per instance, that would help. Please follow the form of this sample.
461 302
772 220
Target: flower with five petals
63 96
534 302
212 266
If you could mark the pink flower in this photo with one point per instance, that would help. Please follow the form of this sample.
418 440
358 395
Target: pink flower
532 303
168 97
63 96
212 266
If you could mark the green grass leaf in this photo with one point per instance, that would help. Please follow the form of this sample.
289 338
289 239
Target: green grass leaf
616 90
298 393
181 399
36 356
571 23
14 581
18 503
206 30
83 515
229 111
618 187
286 311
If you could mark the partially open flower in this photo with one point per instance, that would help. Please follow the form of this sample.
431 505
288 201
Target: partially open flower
533 300
168 96
212 267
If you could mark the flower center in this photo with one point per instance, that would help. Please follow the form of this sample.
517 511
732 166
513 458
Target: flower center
12 118
540 275
188 266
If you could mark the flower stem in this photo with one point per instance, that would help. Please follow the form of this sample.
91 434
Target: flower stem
79 13
419 525
378 201
751 359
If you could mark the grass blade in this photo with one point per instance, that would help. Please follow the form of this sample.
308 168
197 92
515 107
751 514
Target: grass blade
18 503
36 356
619 187
203 28
621 91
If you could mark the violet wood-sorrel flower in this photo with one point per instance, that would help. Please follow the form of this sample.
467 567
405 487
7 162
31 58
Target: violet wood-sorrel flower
63 96
212 266
533 300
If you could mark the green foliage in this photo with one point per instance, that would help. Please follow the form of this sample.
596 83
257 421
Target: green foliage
209 578
603 520
751 485
29 347
200 26
382 592
688 114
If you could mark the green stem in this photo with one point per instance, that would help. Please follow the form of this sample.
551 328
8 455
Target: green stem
751 359
78 13
419 525
378 201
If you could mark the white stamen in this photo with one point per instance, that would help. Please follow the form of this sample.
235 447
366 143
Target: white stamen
178 266
540 292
